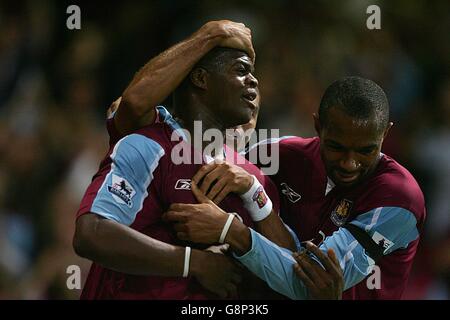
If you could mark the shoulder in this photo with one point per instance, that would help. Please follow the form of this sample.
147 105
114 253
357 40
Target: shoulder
137 149
159 129
394 186
288 145
292 142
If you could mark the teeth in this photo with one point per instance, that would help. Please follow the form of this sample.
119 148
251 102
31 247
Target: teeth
250 97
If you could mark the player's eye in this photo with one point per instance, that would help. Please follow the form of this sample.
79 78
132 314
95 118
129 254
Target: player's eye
335 148
366 151
241 70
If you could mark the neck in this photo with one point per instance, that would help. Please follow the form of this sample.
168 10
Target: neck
197 118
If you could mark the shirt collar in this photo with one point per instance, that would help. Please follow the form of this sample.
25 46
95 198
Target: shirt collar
330 186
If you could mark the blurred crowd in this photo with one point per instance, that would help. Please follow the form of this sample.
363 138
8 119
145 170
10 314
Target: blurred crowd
56 85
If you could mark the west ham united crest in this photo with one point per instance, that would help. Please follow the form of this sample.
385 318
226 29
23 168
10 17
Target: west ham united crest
260 197
341 212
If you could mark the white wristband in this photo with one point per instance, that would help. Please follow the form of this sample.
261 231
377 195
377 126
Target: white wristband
187 258
256 201
226 227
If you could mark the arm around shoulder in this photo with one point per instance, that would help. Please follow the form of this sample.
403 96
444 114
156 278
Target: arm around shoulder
162 74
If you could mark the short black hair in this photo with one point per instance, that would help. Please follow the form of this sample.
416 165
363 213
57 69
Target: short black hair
217 58
213 61
359 98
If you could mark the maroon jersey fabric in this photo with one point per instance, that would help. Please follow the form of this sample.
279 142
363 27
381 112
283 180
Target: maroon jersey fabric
170 183
309 209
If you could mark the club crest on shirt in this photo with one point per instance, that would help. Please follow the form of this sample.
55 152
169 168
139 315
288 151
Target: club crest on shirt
121 190
183 184
290 193
382 241
260 197
341 212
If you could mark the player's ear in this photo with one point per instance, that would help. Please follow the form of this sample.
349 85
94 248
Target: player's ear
386 131
317 124
199 78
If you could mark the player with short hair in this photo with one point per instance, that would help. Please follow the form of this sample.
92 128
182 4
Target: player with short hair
339 191
136 254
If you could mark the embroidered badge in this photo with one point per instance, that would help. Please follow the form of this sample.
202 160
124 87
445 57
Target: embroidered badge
121 190
382 241
341 212
260 197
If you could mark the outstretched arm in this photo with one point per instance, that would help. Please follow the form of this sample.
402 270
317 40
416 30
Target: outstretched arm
390 228
217 179
270 262
162 74
123 249
103 233
120 248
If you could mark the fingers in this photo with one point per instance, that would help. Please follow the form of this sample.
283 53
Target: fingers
251 51
241 37
321 256
211 177
298 256
204 170
332 267
333 257
199 195
218 186
311 269
253 55
214 180
181 207
304 278
173 216
180 227
338 274
223 193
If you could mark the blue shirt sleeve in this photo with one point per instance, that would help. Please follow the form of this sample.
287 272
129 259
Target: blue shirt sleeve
391 227
274 265
122 194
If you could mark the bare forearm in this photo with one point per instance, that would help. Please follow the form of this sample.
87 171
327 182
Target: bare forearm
159 78
274 229
162 74
123 249
239 237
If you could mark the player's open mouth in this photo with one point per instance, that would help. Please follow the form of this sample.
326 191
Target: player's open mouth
347 177
250 97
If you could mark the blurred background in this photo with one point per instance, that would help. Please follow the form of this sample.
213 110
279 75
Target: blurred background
56 85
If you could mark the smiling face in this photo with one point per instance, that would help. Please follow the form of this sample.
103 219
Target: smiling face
350 147
232 90
243 133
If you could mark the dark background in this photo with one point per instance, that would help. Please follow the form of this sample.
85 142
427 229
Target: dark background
56 84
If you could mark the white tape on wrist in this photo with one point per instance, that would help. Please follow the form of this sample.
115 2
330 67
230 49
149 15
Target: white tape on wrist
187 258
256 201
226 227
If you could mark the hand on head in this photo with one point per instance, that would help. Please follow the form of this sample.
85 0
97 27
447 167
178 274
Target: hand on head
235 35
